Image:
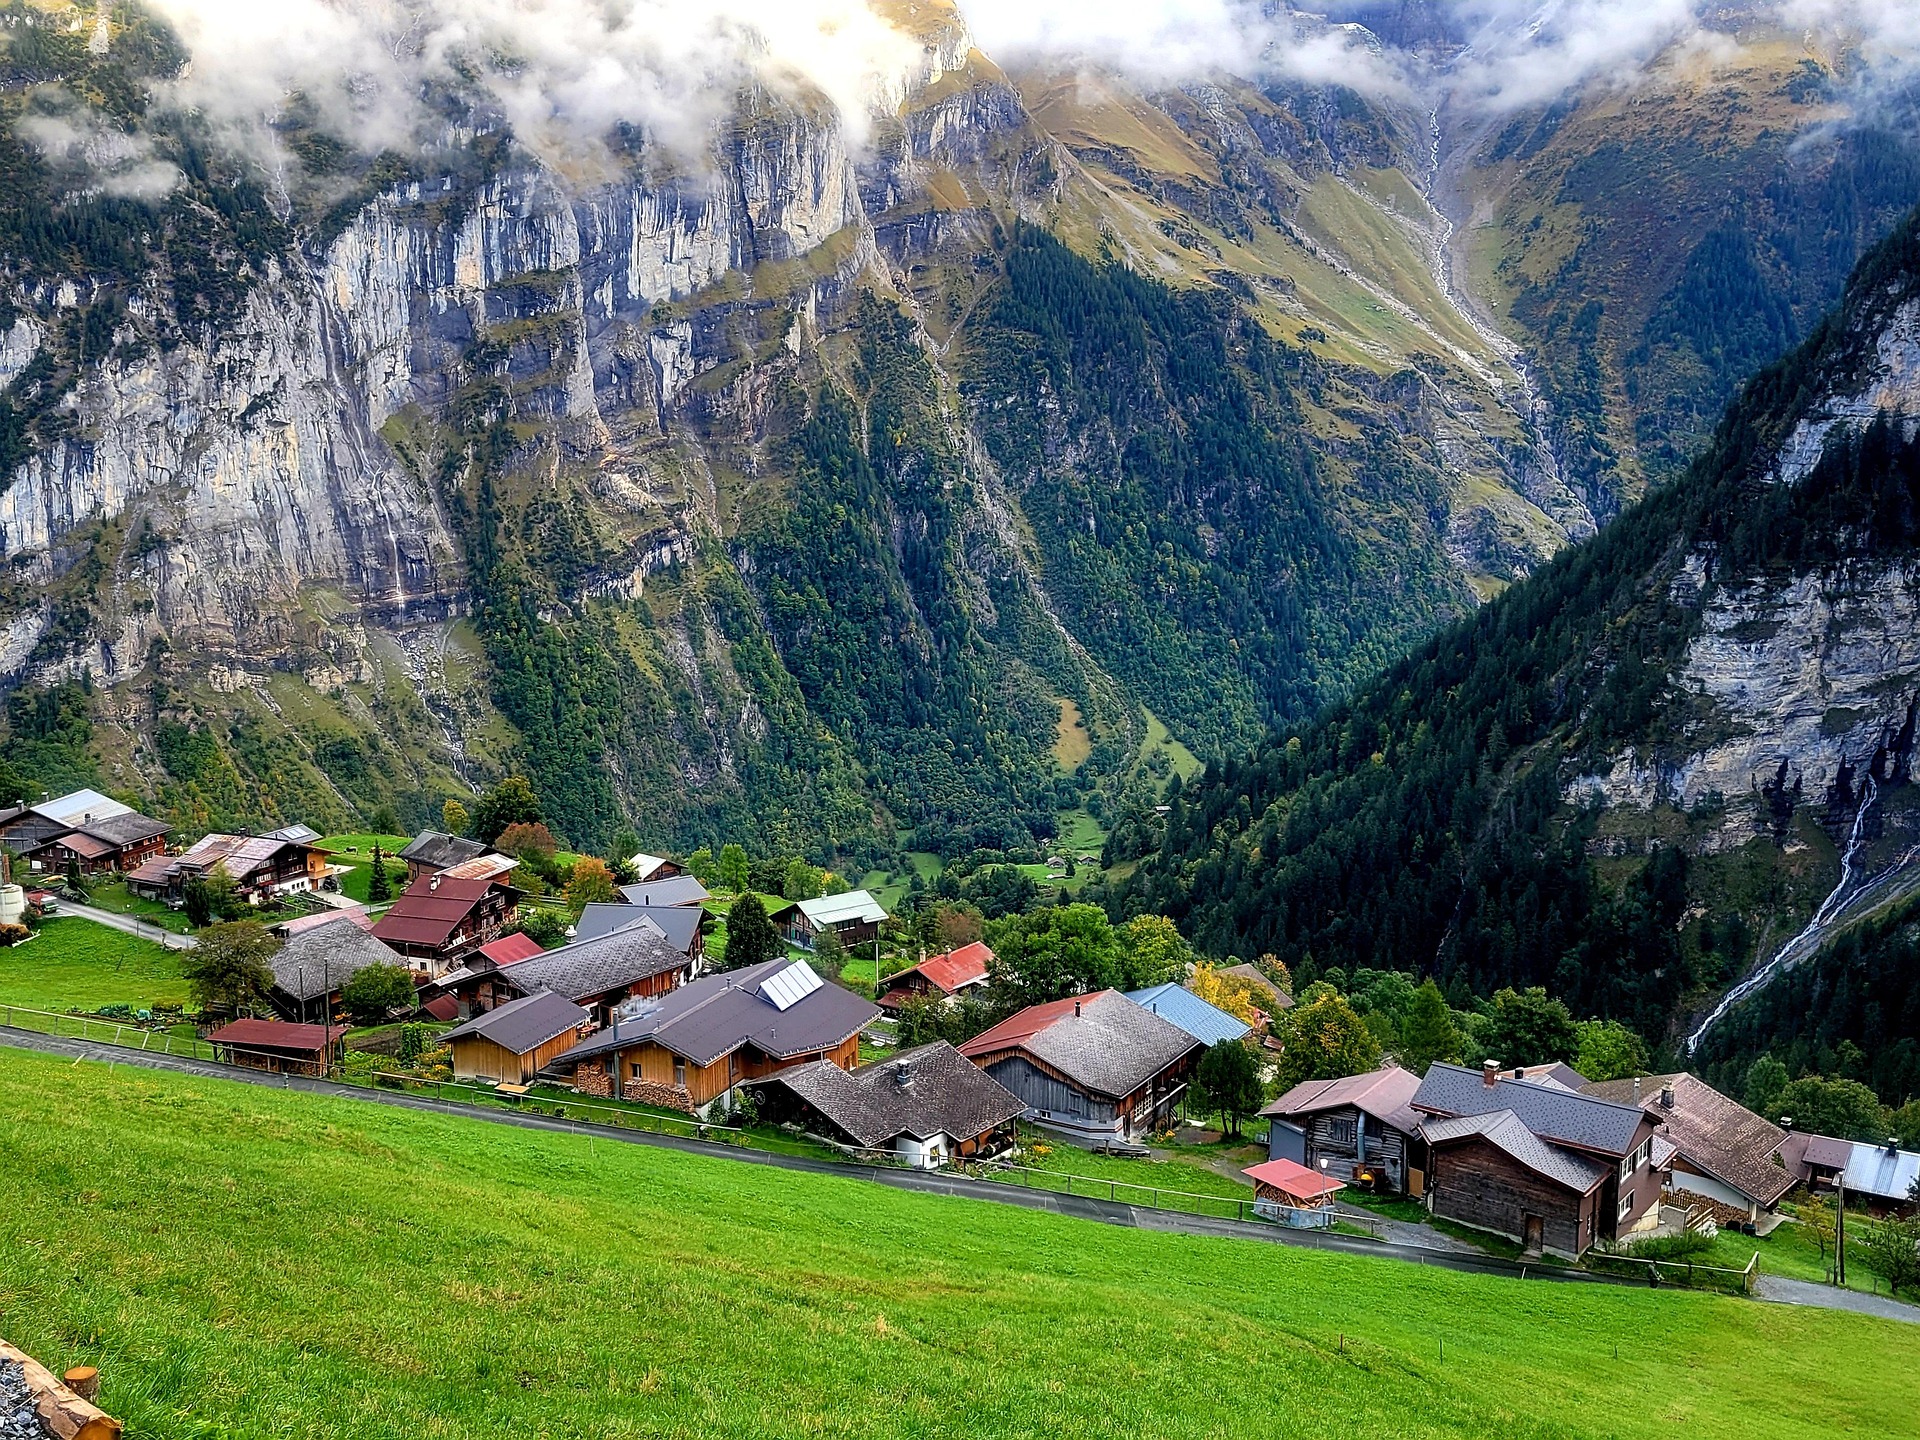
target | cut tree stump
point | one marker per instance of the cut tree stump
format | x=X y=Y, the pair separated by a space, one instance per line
x=65 y=1414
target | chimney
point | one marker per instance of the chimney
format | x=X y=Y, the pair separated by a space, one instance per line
x=433 y=883
x=1666 y=1097
x=1893 y=1144
x=902 y=1076
x=1636 y=1089
x=1519 y=1072
x=1786 y=1122
x=1489 y=1072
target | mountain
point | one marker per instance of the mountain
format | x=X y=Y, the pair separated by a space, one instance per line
x=1638 y=775
x=906 y=476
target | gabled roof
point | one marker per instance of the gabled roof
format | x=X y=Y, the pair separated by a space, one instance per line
x=1565 y=1116
x=320 y=959
x=944 y=1094
x=437 y=850
x=674 y=890
x=481 y=867
x=1507 y=1131
x=287 y=929
x=510 y=948
x=1102 y=1042
x=127 y=828
x=848 y=908
x=430 y=910
x=718 y=1014
x=679 y=923
x=1825 y=1151
x=587 y=969
x=1882 y=1173
x=79 y=806
x=298 y=834
x=81 y=844
x=1555 y=1072
x=276 y=1035
x=1279 y=998
x=238 y=855
x=1383 y=1094
x=955 y=970
x=1207 y=1023
x=525 y=1024
x=1295 y=1180
x=646 y=866
x=1710 y=1131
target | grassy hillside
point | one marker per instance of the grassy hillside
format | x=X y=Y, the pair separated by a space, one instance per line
x=256 y=1263
x=75 y=962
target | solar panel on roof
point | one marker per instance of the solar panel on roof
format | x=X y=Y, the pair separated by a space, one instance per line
x=790 y=986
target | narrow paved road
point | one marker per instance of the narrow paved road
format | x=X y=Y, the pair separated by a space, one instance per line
x=146 y=929
x=1827 y=1297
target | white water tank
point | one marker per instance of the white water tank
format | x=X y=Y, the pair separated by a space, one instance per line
x=13 y=905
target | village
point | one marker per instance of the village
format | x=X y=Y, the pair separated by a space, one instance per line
x=929 y=1038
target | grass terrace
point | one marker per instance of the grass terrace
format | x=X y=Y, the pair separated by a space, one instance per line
x=77 y=964
x=247 y=1262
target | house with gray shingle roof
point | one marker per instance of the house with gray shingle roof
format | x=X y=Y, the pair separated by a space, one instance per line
x=1711 y=1145
x=926 y=1105
x=1527 y=1158
x=317 y=961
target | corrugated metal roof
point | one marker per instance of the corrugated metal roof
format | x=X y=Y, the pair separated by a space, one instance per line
x=1108 y=1045
x=79 y=805
x=481 y=867
x=1507 y=1131
x=1207 y=1023
x=1880 y=1172
x=525 y=1024
x=673 y=890
x=509 y=948
x=850 y=907
x=1547 y=1110
x=430 y=910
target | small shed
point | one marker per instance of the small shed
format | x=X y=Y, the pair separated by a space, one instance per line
x=1293 y=1194
x=511 y=1043
x=275 y=1045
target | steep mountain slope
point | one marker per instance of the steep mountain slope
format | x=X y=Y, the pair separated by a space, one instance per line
x=863 y=481
x=1632 y=776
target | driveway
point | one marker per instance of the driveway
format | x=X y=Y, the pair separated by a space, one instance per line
x=133 y=925
x=1828 y=1297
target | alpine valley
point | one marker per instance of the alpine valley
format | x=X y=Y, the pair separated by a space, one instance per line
x=920 y=476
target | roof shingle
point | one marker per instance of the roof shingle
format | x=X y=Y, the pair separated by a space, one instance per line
x=1509 y=1133
x=945 y=1094
x=1706 y=1129
x=1102 y=1042
x=1583 y=1121
x=525 y=1024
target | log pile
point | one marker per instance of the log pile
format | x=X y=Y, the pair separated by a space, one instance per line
x=62 y=1413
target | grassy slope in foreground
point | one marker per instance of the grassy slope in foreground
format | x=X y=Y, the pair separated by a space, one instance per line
x=243 y=1262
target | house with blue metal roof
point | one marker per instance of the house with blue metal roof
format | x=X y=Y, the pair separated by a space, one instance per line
x=1207 y=1023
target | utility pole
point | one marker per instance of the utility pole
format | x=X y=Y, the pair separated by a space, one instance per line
x=1840 y=1232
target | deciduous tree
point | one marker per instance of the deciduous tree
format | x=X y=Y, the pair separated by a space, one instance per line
x=511 y=802
x=1529 y=1027
x=1324 y=1039
x=1891 y=1250
x=1230 y=993
x=1429 y=1034
x=454 y=817
x=732 y=871
x=591 y=884
x=1055 y=952
x=371 y=994
x=1608 y=1050
x=1766 y=1079
x=1229 y=1073
x=1152 y=952
x=230 y=970
x=1845 y=1109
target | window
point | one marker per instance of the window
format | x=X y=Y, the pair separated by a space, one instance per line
x=1340 y=1132
x=680 y=1073
x=1631 y=1163
x=1626 y=1204
x=636 y=1071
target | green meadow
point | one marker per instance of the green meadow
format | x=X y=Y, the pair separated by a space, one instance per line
x=77 y=964
x=241 y=1262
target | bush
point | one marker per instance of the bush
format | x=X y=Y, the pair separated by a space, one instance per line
x=542 y=925
x=416 y=1038
x=1669 y=1247
x=375 y=992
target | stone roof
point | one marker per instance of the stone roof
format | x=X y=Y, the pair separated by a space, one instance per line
x=587 y=969
x=320 y=959
x=1550 y=1111
x=1710 y=1132
x=1102 y=1042
x=1508 y=1132
x=927 y=1091
x=437 y=850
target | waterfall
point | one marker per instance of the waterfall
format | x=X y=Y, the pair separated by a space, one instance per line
x=1809 y=939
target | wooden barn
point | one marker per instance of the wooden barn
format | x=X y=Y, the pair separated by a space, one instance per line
x=512 y=1044
x=279 y=1047
x=1360 y=1129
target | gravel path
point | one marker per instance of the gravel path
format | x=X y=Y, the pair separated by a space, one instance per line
x=19 y=1419
x=1828 y=1297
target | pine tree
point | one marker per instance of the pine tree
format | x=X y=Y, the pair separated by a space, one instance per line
x=1429 y=1033
x=379 y=883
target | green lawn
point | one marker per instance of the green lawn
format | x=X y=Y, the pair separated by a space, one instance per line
x=258 y=1263
x=1789 y=1252
x=116 y=897
x=1179 y=1173
x=357 y=851
x=77 y=963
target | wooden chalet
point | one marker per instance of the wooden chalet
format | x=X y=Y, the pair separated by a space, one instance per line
x=317 y=961
x=262 y=867
x=432 y=851
x=654 y=867
x=945 y=976
x=1533 y=1161
x=278 y=1046
x=683 y=925
x=690 y=1049
x=511 y=1044
x=84 y=829
x=925 y=1106
x=1359 y=1129
x=1707 y=1143
x=1097 y=1068
x=854 y=918
x=441 y=918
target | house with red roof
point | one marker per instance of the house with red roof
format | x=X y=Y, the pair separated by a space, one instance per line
x=441 y=919
x=944 y=976
x=278 y=1046
x=1360 y=1128
x=1097 y=1068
